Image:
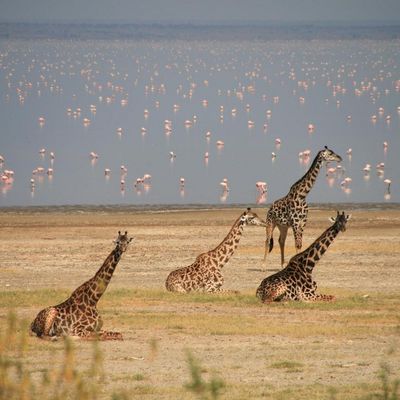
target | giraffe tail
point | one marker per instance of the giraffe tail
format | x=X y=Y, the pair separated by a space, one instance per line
x=271 y=245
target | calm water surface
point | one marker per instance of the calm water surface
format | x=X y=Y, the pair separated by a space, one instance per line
x=280 y=86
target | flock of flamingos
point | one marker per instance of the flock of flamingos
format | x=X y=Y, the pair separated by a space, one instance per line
x=100 y=79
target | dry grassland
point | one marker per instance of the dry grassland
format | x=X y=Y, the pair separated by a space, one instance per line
x=278 y=351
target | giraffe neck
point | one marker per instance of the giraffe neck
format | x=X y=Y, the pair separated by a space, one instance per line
x=309 y=257
x=303 y=186
x=102 y=278
x=223 y=252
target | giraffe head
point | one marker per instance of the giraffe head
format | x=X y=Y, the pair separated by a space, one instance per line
x=329 y=155
x=251 y=218
x=340 y=220
x=122 y=241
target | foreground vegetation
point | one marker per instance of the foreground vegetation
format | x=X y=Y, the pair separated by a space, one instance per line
x=197 y=344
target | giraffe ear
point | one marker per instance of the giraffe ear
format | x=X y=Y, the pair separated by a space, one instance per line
x=348 y=217
x=332 y=219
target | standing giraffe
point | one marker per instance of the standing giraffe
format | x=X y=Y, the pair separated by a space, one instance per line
x=292 y=210
x=78 y=315
x=205 y=274
x=295 y=281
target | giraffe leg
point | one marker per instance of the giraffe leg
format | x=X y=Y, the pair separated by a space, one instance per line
x=101 y=335
x=312 y=296
x=298 y=228
x=298 y=237
x=43 y=324
x=224 y=291
x=282 y=239
x=175 y=286
x=108 y=335
x=270 y=293
x=324 y=297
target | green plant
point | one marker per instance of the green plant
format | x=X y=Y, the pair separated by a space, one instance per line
x=18 y=381
x=390 y=388
x=200 y=387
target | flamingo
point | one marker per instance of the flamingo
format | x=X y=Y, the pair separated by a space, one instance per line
x=346 y=182
x=139 y=181
x=261 y=187
x=224 y=184
x=388 y=182
x=146 y=177
x=331 y=171
x=367 y=168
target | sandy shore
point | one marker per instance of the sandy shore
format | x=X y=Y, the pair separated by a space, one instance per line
x=42 y=249
x=60 y=250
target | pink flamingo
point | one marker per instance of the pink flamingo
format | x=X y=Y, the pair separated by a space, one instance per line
x=224 y=185
x=388 y=182
x=261 y=187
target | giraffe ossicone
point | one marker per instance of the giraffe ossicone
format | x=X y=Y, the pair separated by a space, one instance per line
x=292 y=210
x=295 y=281
x=205 y=273
x=78 y=315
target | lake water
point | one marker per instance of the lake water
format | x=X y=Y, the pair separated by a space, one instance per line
x=280 y=86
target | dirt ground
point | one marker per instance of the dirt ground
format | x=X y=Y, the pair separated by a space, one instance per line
x=260 y=351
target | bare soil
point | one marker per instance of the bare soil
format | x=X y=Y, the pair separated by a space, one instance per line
x=260 y=351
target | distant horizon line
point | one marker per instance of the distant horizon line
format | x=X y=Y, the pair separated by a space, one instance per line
x=220 y=23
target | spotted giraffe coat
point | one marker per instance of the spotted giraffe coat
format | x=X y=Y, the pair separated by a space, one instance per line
x=292 y=210
x=205 y=274
x=295 y=281
x=78 y=315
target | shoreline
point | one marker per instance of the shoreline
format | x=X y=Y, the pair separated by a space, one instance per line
x=123 y=208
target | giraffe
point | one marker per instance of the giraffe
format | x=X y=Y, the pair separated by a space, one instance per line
x=295 y=282
x=292 y=210
x=78 y=316
x=205 y=274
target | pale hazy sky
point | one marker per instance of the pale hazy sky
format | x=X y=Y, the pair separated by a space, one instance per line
x=202 y=11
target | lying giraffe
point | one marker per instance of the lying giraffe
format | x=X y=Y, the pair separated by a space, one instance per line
x=78 y=315
x=292 y=210
x=205 y=274
x=295 y=281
